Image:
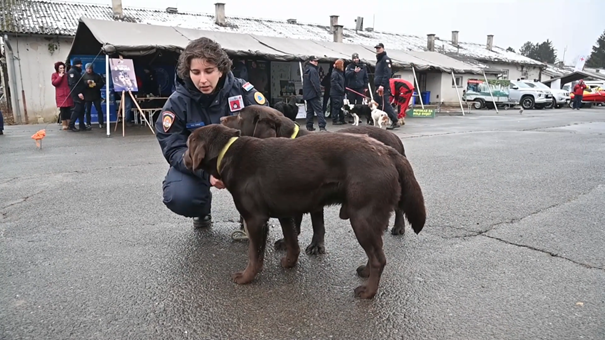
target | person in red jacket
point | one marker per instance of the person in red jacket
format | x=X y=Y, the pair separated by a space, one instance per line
x=62 y=97
x=578 y=94
x=401 y=92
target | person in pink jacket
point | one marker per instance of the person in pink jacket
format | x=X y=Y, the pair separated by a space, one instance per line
x=64 y=101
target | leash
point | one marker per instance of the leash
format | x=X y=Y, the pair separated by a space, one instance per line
x=361 y=94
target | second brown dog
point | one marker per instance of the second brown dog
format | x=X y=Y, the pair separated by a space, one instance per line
x=265 y=122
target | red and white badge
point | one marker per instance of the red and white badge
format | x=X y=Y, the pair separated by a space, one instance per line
x=236 y=103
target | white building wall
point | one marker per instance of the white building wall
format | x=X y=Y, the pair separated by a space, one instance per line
x=517 y=71
x=33 y=67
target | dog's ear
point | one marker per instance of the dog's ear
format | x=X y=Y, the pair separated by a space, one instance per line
x=269 y=125
x=194 y=156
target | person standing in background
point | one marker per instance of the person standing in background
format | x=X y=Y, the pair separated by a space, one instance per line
x=337 y=92
x=578 y=94
x=312 y=94
x=356 y=76
x=77 y=87
x=92 y=94
x=382 y=75
x=62 y=97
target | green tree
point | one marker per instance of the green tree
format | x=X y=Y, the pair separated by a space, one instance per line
x=597 y=57
x=544 y=52
x=510 y=49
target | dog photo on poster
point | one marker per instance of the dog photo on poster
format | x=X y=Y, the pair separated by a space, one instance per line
x=123 y=75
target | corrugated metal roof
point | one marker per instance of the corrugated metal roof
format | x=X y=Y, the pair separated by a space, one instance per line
x=59 y=18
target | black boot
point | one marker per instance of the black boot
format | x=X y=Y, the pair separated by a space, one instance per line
x=393 y=126
x=202 y=222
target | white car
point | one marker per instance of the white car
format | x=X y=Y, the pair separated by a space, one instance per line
x=560 y=97
x=529 y=97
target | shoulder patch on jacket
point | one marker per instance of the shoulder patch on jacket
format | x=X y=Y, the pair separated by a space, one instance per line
x=167 y=120
x=248 y=87
x=389 y=63
x=259 y=98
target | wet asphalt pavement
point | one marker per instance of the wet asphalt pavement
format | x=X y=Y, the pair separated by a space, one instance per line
x=514 y=246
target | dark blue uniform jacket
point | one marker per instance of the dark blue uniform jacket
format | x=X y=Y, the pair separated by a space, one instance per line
x=188 y=109
x=383 y=72
x=311 y=85
x=76 y=84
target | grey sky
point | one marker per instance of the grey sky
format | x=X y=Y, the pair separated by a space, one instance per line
x=573 y=24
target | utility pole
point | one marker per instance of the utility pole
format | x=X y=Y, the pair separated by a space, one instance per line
x=564 y=52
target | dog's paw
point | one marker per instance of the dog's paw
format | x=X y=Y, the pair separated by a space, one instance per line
x=241 y=278
x=288 y=262
x=280 y=244
x=398 y=230
x=364 y=293
x=315 y=249
x=363 y=271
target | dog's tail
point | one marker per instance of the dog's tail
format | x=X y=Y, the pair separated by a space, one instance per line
x=412 y=200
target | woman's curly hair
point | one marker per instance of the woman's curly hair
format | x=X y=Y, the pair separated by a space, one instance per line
x=207 y=49
x=60 y=63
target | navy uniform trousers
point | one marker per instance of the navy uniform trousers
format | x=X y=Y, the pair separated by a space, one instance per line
x=187 y=195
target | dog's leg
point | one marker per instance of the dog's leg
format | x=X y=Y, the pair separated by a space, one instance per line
x=291 y=242
x=370 y=238
x=281 y=244
x=257 y=235
x=317 y=243
x=399 y=226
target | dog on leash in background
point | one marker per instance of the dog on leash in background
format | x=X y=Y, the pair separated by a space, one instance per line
x=288 y=107
x=346 y=108
x=379 y=117
x=360 y=110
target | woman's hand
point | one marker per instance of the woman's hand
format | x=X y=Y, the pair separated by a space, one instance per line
x=217 y=183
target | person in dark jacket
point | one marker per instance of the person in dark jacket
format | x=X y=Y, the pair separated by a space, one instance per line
x=382 y=75
x=92 y=93
x=206 y=90
x=240 y=70
x=312 y=94
x=325 y=82
x=356 y=77
x=337 y=92
x=77 y=88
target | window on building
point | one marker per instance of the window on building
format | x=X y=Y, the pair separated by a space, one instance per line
x=458 y=82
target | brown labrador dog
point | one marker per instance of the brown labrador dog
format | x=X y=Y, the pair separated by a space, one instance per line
x=265 y=122
x=257 y=173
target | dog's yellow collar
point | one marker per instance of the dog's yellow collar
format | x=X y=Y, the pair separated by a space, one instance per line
x=223 y=152
x=296 y=129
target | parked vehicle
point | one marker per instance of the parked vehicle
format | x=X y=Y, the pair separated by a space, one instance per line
x=529 y=97
x=560 y=98
x=478 y=92
x=593 y=95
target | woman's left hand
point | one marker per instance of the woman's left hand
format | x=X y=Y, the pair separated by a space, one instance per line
x=217 y=183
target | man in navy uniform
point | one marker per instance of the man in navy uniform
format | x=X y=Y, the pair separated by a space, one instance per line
x=382 y=75
x=206 y=90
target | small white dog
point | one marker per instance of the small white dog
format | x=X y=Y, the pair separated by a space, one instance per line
x=346 y=106
x=378 y=116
